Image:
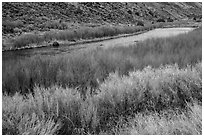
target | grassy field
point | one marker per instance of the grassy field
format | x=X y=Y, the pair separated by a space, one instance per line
x=154 y=87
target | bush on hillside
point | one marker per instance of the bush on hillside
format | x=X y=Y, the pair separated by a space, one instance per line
x=8 y=26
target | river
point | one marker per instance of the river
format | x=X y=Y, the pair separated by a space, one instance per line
x=122 y=41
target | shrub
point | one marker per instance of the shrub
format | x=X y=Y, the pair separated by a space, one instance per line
x=168 y=122
x=55 y=24
x=161 y=20
x=26 y=39
x=51 y=111
x=8 y=26
x=140 y=23
x=153 y=88
x=170 y=20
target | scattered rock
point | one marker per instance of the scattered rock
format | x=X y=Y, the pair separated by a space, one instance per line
x=55 y=44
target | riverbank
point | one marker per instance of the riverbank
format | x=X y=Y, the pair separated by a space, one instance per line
x=87 y=47
x=132 y=30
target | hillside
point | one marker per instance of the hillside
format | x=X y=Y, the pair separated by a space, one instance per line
x=21 y=17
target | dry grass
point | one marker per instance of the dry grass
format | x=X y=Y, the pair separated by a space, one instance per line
x=169 y=122
x=149 y=94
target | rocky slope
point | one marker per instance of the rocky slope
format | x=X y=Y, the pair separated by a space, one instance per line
x=27 y=16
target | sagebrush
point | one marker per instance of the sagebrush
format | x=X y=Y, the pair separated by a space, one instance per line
x=58 y=110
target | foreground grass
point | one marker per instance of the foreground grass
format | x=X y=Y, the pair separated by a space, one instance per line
x=83 y=70
x=166 y=100
x=168 y=122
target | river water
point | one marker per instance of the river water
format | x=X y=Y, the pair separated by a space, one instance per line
x=122 y=41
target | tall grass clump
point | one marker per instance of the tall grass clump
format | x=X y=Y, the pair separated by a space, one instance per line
x=168 y=122
x=90 y=68
x=48 y=111
x=55 y=24
x=151 y=95
x=151 y=88
x=26 y=39
x=91 y=33
x=70 y=71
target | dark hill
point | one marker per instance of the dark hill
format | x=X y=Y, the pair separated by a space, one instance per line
x=18 y=17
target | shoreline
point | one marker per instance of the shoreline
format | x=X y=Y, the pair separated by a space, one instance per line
x=68 y=43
